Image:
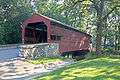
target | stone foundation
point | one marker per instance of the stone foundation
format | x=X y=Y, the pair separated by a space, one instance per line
x=33 y=51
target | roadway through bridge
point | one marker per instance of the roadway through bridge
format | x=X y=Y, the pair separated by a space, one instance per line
x=8 y=53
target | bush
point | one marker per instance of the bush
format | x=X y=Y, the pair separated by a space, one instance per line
x=110 y=52
x=91 y=55
x=107 y=53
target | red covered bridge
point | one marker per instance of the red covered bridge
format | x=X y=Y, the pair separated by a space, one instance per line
x=41 y=29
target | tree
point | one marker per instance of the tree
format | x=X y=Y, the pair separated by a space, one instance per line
x=12 y=13
x=101 y=16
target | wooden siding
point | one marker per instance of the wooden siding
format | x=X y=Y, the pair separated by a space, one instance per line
x=71 y=39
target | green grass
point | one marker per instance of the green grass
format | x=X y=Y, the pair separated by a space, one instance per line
x=46 y=60
x=96 y=69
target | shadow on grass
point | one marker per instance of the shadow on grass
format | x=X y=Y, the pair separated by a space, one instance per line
x=46 y=60
x=97 y=69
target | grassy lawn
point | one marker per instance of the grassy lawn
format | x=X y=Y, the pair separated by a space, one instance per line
x=46 y=60
x=96 y=69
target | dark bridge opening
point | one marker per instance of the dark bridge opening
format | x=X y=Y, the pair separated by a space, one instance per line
x=36 y=33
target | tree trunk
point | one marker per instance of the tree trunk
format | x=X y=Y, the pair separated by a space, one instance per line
x=105 y=31
x=99 y=38
x=99 y=27
x=105 y=39
x=116 y=39
x=119 y=36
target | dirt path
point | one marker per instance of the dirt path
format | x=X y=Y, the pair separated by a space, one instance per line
x=18 y=69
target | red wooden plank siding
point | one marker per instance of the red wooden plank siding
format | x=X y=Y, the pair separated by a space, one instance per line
x=71 y=40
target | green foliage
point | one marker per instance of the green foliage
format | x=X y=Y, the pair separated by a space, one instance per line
x=12 y=13
x=96 y=69
x=62 y=11
x=104 y=53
